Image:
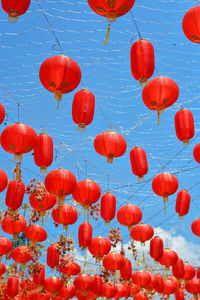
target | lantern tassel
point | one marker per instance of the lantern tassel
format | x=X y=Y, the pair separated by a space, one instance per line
x=140 y=179
x=107 y=35
x=158 y=112
x=43 y=170
x=81 y=127
x=110 y=158
x=58 y=96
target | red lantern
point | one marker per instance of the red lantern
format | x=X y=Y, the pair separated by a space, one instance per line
x=84 y=235
x=12 y=286
x=170 y=286
x=126 y=270
x=83 y=108
x=153 y=283
x=97 y=289
x=142 y=233
x=156 y=248
x=84 y=283
x=2 y=113
x=15 y=194
x=169 y=258
x=53 y=256
x=21 y=254
x=180 y=295
x=18 y=139
x=139 y=163
x=108 y=290
x=184 y=125
x=189 y=272
x=61 y=183
x=129 y=215
x=2 y=269
x=182 y=203
x=198 y=272
x=27 y=285
x=3 y=180
x=193 y=287
x=196 y=153
x=71 y=268
x=160 y=93
x=15 y=8
x=67 y=292
x=110 y=144
x=191 y=24
x=164 y=185
x=11 y=225
x=140 y=296
x=60 y=75
x=196 y=227
x=35 y=233
x=142 y=60
x=178 y=269
x=134 y=289
x=99 y=247
x=108 y=207
x=141 y=278
x=39 y=274
x=121 y=291
x=86 y=193
x=160 y=284
x=5 y=245
x=113 y=261
x=42 y=203
x=43 y=152
x=52 y=284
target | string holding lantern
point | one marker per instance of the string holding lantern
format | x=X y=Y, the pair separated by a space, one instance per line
x=190 y=24
x=184 y=125
x=43 y=151
x=111 y=9
x=14 y=9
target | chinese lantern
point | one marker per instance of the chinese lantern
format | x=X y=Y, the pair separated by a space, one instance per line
x=139 y=163
x=178 y=269
x=160 y=93
x=111 y=10
x=182 y=203
x=43 y=152
x=126 y=270
x=5 y=245
x=15 y=194
x=190 y=24
x=113 y=261
x=12 y=225
x=35 y=233
x=142 y=233
x=86 y=193
x=108 y=207
x=52 y=284
x=169 y=258
x=152 y=284
x=71 y=268
x=84 y=282
x=61 y=183
x=110 y=144
x=3 y=180
x=164 y=185
x=134 y=289
x=196 y=153
x=140 y=296
x=189 y=272
x=18 y=139
x=193 y=287
x=180 y=295
x=84 y=235
x=108 y=290
x=12 y=286
x=99 y=247
x=21 y=254
x=67 y=292
x=15 y=8
x=27 y=285
x=184 y=125
x=142 y=60
x=141 y=278
x=2 y=113
x=160 y=284
x=121 y=291
x=129 y=215
x=97 y=288
x=198 y=272
x=53 y=256
x=39 y=274
x=196 y=227
x=156 y=248
x=60 y=75
x=83 y=108
x=170 y=286
x=41 y=203
x=2 y=269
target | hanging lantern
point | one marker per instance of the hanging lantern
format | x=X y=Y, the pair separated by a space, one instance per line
x=61 y=183
x=21 y=254
x=142 y=60
x=110 y=144
x=12 y=286
x=156 y=248
x=15 y=8
x=99 y=247
x=5 y=245
x=97 y=288
x=43 y=152
x=193 y=287
x=189 y=272
x=129 y=215
x=178 y=269
x=108 y=290
x=35 y=233
x=53 y=256
x=182 y=203
x=84 y=235
x=15 y=194
x=180 y=294
x=18 y=139
x=169 y=258
x=196 y=153
x=134 y=289
x=83 y=108
x=170 y=286
x=52 y=284
x=159 y=288
x=60 y=75
x=184 y=125
x=160 y=93
x=13 y=225
x=126 y=270
x=108 y=207
x=84 y=283
x=113 y=261
x=165 y=185
x=198 y=272
x=44 y=204
x=3 y=180
x=2 y=113
x=190 y=24
x=142 y=233
x=121 y=291
x=70 y=268
x=67 y=292
x=39 y=274
x=2 y=269
x=141 y=278
x=141 y=296
x=153 y=283
x=139 y=163
x=196 y=227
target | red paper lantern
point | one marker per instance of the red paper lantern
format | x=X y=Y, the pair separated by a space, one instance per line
x=170 y=286
x=71 y=268
x=60 y=75
x=182 y=203
x=84 y=235
x=21 y=254
x=141 y=278
x=2 y=113
x=15 y=194
x=52 y=284
x=180 y=295
x=65 y=214
x=108 y=207
x=99 y=247
x=142 y=233
x=3 y=180
x=18 y=139
x=134 y=289
x=129 y=215
x=108 y=290
x=160 y=93
x=43 y=152
x=97 y=289
x=42 y=203
x=156 y=248
x=86 y=193
x=169 y=258
x=154 y=280
x=142 y=60
x=196 y=153
x=11 y=225
x=15 y=8
x=126 y=270
x=67 y=292
x=193 y=287
x=189 y=272
x=184 y=125
x=140 y=296
x=83 y=108
x=35 y=233
x=121 y=291
x=178 y=269
x=53 y=256
x=191 y=24
x=84 y=283
x=39 y=274
x=113 y=261
x=61 y=183
x=2 y=269
x=12 y=286
x=196 y=227
x=5 y=245
x=160 y=284
x=110 y=144
x=139 y=163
